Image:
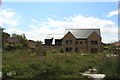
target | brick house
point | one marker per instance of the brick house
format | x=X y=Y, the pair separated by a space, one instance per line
x=12 y=40
x=80 y=40
x=117 y=44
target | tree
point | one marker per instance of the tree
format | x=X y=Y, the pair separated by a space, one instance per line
x=111 y=49
x=22 y=38
x=39 y=43
x=3 y=34
x=38 y=46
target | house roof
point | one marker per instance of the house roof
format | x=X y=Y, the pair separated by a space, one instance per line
x=116 y=43
x=83 y=33
x=13 y=39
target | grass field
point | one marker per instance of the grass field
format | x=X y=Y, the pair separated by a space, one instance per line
x=30 y=64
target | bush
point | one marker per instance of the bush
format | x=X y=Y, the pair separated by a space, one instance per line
x=111 y=49
x=109 y=67
x=61 y=50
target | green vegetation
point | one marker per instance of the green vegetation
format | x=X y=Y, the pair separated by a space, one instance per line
x=30 y=64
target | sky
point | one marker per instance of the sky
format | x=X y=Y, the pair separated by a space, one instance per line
x=38 y=19
x=61 y=0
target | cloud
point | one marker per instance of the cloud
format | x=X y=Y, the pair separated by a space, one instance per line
x=109 y=30
x=112 y=13
x=8 y=17
x=34 y=20
x=38 y=29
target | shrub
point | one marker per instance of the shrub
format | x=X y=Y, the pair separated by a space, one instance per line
x=61 y=50
x=109 y=67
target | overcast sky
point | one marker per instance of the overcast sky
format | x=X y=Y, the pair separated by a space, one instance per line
x=38 y=19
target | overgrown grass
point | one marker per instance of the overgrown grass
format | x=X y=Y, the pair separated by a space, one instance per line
x=29 y=64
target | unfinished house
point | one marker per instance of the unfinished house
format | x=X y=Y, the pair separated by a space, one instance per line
x=52 y=41
x=79 y=40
